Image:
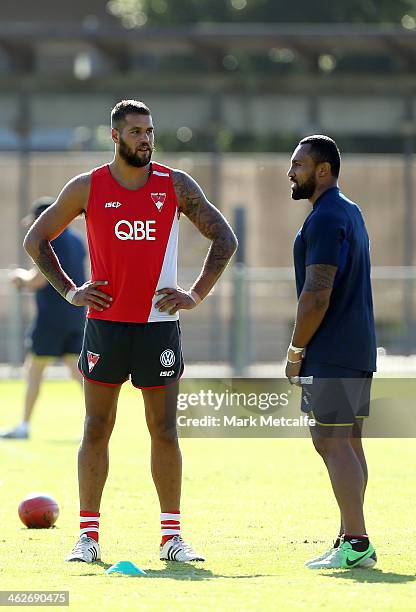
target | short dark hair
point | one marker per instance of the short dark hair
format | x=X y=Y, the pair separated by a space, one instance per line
x=40 y=205
x=127 y=107
x=324 y=149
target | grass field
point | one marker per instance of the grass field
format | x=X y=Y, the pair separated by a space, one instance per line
x=256 y=508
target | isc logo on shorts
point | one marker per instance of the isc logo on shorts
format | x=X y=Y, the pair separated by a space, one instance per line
x=167 y=373
x=138 y=230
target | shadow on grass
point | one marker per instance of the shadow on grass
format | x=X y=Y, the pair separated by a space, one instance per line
x=177 y=571
x=64 y=442
x=105 y=566
x=187 y=571
x=35 y=530
x=375 y=576
x=79 y=564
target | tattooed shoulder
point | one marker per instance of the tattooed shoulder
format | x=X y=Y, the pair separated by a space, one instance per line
x=319 y=277
x=205 y=216
x=188 y=192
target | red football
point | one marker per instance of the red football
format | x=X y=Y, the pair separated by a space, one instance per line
x=38 y=511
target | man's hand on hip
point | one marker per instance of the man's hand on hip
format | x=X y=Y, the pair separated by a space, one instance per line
x=89 y=295
x=174 y=300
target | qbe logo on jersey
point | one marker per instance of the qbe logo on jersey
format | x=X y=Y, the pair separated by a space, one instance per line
x=136 y=230
x=167 y=358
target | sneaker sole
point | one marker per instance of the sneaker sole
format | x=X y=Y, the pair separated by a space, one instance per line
x=80 y=561
x=369 y=563
x=7 y=437
x=365 y=564
x=187 y=560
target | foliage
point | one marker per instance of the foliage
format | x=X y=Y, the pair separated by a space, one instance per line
x=137 y=13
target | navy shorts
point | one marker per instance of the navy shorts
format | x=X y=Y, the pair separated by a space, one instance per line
x=335 y=395
x=149 y=353
x=47 y=341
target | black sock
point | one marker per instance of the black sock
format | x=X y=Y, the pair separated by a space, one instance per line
x=358 y=543
x=337 y=541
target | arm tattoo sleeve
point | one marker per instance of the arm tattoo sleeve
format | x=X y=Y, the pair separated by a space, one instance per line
x=319 y=277
x=209 y=221
x=48 y=263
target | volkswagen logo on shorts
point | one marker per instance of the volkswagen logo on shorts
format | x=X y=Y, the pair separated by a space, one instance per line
x=167 y=358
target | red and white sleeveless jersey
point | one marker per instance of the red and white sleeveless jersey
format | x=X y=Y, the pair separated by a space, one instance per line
x=133 y=243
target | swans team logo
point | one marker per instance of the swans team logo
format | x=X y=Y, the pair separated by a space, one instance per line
x=167 y=358
x=92 y=359
x=158 y=199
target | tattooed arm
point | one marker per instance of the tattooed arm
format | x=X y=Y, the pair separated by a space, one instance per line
x=211 y=223
x=313 y=302
x=71 y=202
x=312 y=306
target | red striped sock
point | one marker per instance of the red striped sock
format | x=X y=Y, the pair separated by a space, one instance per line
x=170 y=524
x=89 y=523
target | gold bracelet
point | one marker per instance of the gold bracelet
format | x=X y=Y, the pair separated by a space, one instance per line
x=299 y=361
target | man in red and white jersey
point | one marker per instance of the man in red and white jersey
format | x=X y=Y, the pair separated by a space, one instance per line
x=132 y=207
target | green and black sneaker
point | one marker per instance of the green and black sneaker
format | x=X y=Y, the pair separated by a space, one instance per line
x=345 y=557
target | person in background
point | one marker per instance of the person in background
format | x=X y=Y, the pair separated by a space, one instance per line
x=57 y=329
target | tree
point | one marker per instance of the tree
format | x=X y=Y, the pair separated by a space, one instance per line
x=138 y=13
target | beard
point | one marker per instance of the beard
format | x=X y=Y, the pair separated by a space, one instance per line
x=305 y=191
x=137 y=158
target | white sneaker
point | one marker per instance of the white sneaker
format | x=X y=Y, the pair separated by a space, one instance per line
x=20 y=432
x=321 y=557
x=86 y=549
x=176 y=549
x=331 y=561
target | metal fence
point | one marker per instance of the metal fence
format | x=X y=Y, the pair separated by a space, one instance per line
x=248 y=318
